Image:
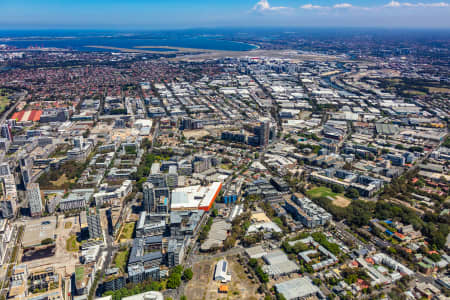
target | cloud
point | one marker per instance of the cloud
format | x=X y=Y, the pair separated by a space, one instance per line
x=311 y=6
x=336 y=6
x=392 y=4
x=342 y=5
x=264 y=5
x=420 y=4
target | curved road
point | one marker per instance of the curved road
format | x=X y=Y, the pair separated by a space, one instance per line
x=12 y=108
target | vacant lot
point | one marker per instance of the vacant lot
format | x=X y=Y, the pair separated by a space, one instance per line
x=242 y=286
x=202 y=286
x=196 y=134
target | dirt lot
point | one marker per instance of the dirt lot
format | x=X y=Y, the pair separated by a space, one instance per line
x=341 y=201
x=61 y=259
x=203 y=287
x=196 y=134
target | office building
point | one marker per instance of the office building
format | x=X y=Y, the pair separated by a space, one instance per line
x=34 y=199
x=172 y=177
x=145 y=259
x=25 y=169
x=5 y=131
x=174 y=253
x=263 y=132
x=4 y=169
x=156 y=199
x=8 y=198
x=150 y=224
x=4 y=144
x=148 y=198
x=94 y=226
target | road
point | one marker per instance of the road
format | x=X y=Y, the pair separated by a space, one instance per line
x=234 y=251
x=7 y=257
x=13 y=107
x=110 y=246
x=274 y=109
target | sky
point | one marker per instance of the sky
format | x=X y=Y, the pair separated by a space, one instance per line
x=177 y=14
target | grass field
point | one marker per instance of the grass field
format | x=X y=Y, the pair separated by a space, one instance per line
x=127 y=232
x=4 y=102
x=62 y=180
x=226 y=166
x=320 y=192
x=121 y=259
x=72 y=244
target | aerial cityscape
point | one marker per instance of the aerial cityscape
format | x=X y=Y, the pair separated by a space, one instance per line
x=287 y=151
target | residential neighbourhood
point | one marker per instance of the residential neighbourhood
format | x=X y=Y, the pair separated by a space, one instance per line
x=280 y=176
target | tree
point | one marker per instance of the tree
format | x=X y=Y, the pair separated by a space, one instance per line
x=183 y=297
x=174 y=281
x=352 y=193
x=188 y=274
x=253 y=262
x=280 y=296
x=337 y=188
x=177 y=269
x=229 y=243
x=347 y=166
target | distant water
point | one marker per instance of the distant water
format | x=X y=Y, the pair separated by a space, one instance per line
x=79 y=42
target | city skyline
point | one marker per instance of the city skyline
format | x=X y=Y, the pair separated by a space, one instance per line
x=175 y=14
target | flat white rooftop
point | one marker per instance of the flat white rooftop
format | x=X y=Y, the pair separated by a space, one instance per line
x=195 y=197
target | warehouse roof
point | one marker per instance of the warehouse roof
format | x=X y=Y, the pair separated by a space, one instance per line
x=195 y=197
x=298 y=288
